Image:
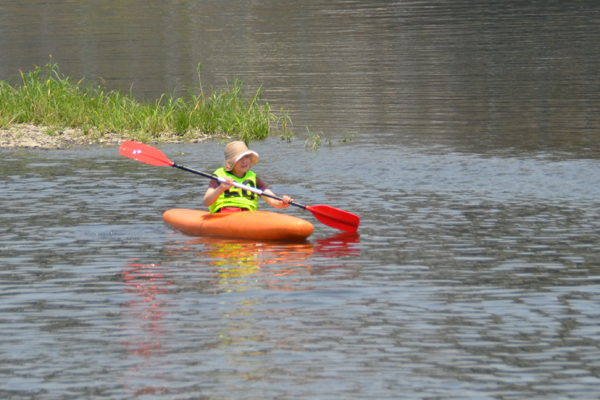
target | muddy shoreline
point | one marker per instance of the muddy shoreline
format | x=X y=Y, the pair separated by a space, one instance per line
x=29 y=136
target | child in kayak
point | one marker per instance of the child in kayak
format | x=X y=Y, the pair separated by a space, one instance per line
x=224 y=197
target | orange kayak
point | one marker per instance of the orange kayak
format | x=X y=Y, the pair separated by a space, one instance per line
x=263 y=225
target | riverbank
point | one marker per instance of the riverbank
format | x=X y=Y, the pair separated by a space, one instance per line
x=34 y=110
x=29 y=136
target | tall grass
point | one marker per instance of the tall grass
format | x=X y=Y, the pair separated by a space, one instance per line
x=48 y=98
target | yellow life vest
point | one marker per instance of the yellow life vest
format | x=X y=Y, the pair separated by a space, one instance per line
x=236 y=197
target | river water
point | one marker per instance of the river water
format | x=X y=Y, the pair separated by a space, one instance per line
x=474 y=167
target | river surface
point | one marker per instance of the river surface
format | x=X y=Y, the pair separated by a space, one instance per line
x=474 y=166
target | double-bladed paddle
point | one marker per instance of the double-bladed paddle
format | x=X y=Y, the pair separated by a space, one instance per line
x=330 y=216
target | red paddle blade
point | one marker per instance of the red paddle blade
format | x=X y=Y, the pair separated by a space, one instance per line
x=144 y=153
x=335 y=218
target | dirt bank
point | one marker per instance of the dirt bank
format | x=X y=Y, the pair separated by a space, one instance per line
x=27 y=136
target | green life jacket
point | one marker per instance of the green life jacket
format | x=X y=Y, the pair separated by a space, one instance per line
x=236 y=197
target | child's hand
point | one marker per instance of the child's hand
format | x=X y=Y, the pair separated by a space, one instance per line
x=227 y=185
x=286 y=201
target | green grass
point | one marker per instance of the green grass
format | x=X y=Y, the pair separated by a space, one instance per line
x=316 y=140
x=45 y=97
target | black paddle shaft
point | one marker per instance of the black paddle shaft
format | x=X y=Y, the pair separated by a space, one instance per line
x=216 y=178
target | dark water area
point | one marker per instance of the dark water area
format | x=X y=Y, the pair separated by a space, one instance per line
x=475 y=273
x=477 y=75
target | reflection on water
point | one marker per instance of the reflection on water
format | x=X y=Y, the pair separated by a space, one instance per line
x=146 y=283
x=210 y=268
x=475 y=75
x=244 y=264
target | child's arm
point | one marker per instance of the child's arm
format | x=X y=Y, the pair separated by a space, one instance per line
x=212 y=194
x=276 y=203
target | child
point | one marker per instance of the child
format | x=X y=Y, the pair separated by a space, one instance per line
x=224 y=197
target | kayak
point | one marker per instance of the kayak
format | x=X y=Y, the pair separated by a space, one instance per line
x=263 y=225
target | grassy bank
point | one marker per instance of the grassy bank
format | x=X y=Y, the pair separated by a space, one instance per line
x=46 y=97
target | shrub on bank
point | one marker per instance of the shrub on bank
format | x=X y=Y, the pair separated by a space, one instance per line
x=48 y=98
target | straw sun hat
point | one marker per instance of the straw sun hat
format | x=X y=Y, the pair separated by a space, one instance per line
x=234 y=152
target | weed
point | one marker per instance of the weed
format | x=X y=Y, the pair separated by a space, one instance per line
x=46 y=97
x=350 y=137
x=52 y=131
x=315 y=140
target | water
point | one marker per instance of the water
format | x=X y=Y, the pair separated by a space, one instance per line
x=474 y=274
x=480 y=75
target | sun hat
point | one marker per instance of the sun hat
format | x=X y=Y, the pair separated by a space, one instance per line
x=234 y=151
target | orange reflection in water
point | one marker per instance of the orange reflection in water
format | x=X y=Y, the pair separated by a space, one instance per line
x=340 y=245
x=223 y=265
x=236 y=260
x=147 y=282
x=234 y=265
x=144 y=325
